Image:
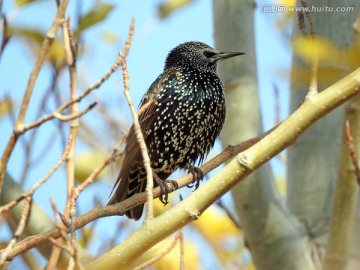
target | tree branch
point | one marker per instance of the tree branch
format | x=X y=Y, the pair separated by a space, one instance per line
x=120 y=208
x=190 y=208
x=49 y=39
x=235 y=171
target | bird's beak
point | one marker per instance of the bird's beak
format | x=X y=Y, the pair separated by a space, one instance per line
x=225 y=55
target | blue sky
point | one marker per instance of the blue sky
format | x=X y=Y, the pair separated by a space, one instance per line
x=152 y=40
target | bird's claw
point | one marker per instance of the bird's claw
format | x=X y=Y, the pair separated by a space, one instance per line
x=164 y=189
x=198 y=175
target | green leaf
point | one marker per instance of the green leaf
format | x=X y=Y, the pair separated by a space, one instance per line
x=96 y=15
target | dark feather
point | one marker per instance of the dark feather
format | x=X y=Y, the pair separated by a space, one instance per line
x=180 y=117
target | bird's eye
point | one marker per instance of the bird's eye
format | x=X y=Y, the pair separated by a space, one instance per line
x=209 y=54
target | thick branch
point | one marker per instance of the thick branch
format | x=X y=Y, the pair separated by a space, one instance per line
x=139 y=198
x=192 y=207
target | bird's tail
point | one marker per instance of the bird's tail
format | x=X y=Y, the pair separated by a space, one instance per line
x=130 y=181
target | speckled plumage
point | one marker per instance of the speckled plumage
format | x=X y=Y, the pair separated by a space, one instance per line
x=182 y=113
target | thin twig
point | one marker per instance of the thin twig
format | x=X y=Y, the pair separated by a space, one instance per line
x=73 y=244
x=301 y=22
x=182 y=250
x=129 y=38
x=31 y=191
x=71 y=57
x=235 y=221
x=331 y=98
x=72 y=215
x=352 y=152
x=160 y=255
x=137 y=128
x=74 y=116
x=56 y=114
x=313 y=86
x=45 y=47
x=277 y=103
x=111 y=158
x=142 y=144
x=61 y=108
x=54 y=255
x=66 y=244
x=356 y=28
x=28 y=141
x=19 y=230
x=308 y=17
x=5 y=30
x=139 y=198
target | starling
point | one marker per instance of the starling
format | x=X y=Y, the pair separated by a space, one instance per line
x=180 y=116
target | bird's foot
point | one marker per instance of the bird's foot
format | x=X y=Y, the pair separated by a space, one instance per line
x=164 y=189
x=198 y=175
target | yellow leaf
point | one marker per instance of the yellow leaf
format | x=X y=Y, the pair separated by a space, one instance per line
x=24 y=2
x=86 y=236
x=171 y=260
x=251 y=266
x=96 y=15
x=85 y=164
x=281 y=185
x=110 y=37
x=56 y=55
x=352 y=56
x=326 y=75
x=288 y=3
x=221 y=225
x=35 y=38
x=169 y=6
x=5 y=106
x=309 y=48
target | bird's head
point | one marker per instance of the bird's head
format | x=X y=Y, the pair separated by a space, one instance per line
x=196 y=55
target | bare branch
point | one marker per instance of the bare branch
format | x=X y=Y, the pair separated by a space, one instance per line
x=74 y=116
x=139 y=198
x=308 y=17
x=129 y=38
x=112 y=157
x=313 y=87
x=18 y=232
x=71 y=57
x=143 y=148
x=5 y=30
x=50 y=36
x=352 y=152
x=31 y=191
x=182 y=250
x=301 y=22
x=56 y=248
x=286 y=133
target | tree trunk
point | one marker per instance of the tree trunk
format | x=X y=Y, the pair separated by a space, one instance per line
x=274 y=237
x=313 y=161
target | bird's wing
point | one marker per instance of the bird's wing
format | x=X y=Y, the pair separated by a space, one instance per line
x=132 y=152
